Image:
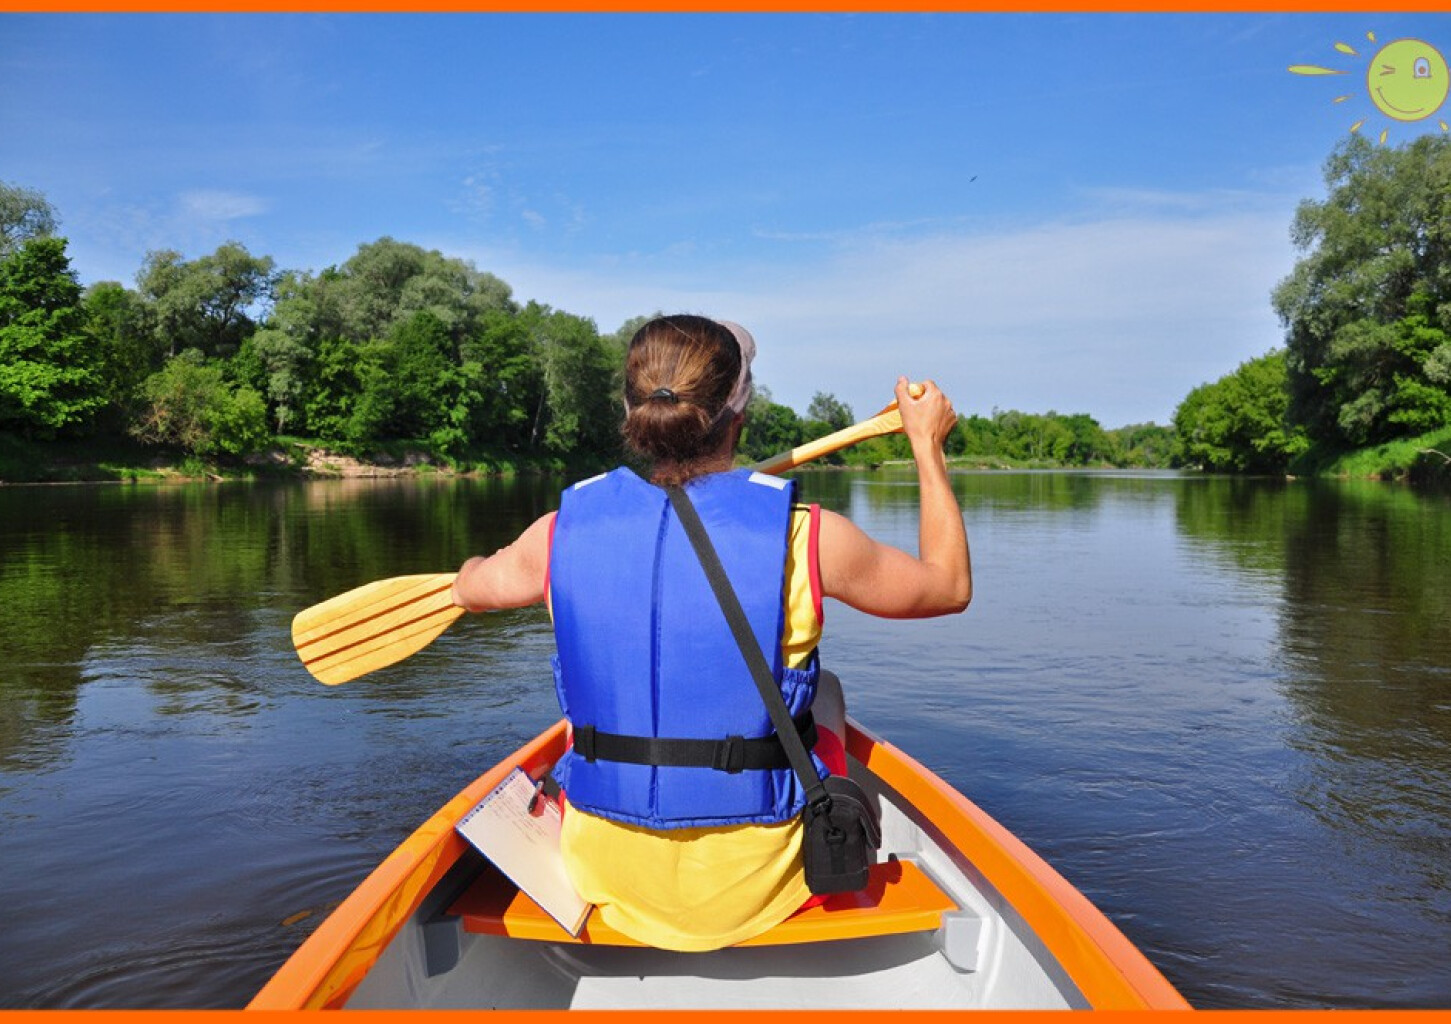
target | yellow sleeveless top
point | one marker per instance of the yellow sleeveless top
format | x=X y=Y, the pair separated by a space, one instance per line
x=695 y=889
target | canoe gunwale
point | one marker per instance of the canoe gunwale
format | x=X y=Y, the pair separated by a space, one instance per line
x=317 y=976
x=1109 y=971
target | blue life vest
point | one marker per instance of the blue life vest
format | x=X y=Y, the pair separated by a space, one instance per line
x=644 y=649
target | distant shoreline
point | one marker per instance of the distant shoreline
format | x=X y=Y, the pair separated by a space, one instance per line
x=36 y=464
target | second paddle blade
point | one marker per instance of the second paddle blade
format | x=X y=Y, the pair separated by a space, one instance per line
x=373 y=626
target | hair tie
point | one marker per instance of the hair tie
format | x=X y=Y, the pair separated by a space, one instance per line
x=664 y=393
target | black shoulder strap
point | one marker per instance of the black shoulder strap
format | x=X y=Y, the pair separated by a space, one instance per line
x=745 y=639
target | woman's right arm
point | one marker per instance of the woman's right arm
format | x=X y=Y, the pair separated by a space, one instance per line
x=511 y=577
x=883 y=580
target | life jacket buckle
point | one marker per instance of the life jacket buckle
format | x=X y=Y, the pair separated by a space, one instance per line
x=730 y=755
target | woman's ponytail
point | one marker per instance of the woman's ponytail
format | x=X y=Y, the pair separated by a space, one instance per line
x=680 y=372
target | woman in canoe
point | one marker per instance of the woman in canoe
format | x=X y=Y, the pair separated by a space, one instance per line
x=700 y=848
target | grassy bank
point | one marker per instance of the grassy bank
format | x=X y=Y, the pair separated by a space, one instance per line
x=1423 y=459
x=120 y=460
x=24 y=461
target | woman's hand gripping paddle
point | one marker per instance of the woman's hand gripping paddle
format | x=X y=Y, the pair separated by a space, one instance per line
x=381 y=623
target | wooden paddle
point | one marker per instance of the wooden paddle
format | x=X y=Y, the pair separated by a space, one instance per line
x=381 y=623
x=888 y=421
x=374 y=625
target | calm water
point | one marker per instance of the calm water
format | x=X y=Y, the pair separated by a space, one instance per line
x=1221 y=708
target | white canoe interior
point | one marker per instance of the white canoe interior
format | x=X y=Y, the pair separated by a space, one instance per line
x=973 y=920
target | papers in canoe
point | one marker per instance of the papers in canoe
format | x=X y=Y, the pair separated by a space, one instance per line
x=520 y=835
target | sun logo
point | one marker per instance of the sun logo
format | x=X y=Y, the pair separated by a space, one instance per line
x=1407 y=80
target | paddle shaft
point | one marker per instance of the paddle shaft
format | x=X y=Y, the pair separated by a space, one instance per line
x=381 y=623
x=888 y=421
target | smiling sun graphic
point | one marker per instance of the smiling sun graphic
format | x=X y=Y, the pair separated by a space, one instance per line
x=1407 y=80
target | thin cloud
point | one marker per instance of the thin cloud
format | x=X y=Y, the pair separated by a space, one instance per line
x=1118 y=317
x=477 y=197
x=217 y=206
x=1215 y=201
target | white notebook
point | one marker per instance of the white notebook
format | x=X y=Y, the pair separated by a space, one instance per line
x=524 y=844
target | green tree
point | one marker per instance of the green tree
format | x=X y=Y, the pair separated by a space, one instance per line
x=335 y=384
x=24 y=214
x=1089 y=444
x=388 y=281
x=281 y=359
x=207 y=303
x=277 y=364
x=1241 y=421
x=1033 y=437
x=119 y=325
x=582 y=409
x=830 y=411
x=769 y=428
x=505 y=382
x=1368 y=307
x=620 y=340
x=978 y=436
x=409 y=385
x=827 y=414
x=1142 y=444
x=50 y=373
x=189 y=404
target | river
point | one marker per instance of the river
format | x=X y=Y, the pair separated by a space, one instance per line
x=1221 y=708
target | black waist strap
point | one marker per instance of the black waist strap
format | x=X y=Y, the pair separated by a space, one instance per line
x=732 y=754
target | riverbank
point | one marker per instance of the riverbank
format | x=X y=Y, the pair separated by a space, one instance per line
x=124 y=461
x=1419 y=460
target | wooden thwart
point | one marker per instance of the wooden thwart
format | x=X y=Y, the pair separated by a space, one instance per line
x=899 y=898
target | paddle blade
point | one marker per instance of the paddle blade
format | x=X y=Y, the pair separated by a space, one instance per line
x=373 y=626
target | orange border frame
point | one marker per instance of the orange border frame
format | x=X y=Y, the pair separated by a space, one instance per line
x=1109 y=970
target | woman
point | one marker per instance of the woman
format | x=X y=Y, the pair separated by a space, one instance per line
x=683 y=815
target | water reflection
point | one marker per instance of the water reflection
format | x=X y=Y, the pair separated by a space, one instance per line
x=1369 y=671
x=1222 y=708
x=1363 y=633
x=188 y=568
x=1364 y=662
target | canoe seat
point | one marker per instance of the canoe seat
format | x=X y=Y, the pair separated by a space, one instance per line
x=899 y=898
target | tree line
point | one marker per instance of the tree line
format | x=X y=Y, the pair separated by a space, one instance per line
x=1367 y=318
x=224 y=355
x=1006 y=438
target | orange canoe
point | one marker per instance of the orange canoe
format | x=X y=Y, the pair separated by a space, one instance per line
x=959 y=915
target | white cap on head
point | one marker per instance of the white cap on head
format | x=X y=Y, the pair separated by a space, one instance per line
x=741 y=395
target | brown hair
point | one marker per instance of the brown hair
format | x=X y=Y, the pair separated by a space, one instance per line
x=679 y=374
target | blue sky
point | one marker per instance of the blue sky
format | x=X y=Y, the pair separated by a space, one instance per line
x=1076 y=212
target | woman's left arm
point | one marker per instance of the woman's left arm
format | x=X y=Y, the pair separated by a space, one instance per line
x=511 y=577
x=884 y=580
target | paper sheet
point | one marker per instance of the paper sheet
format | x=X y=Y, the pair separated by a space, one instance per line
x=524 y=844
